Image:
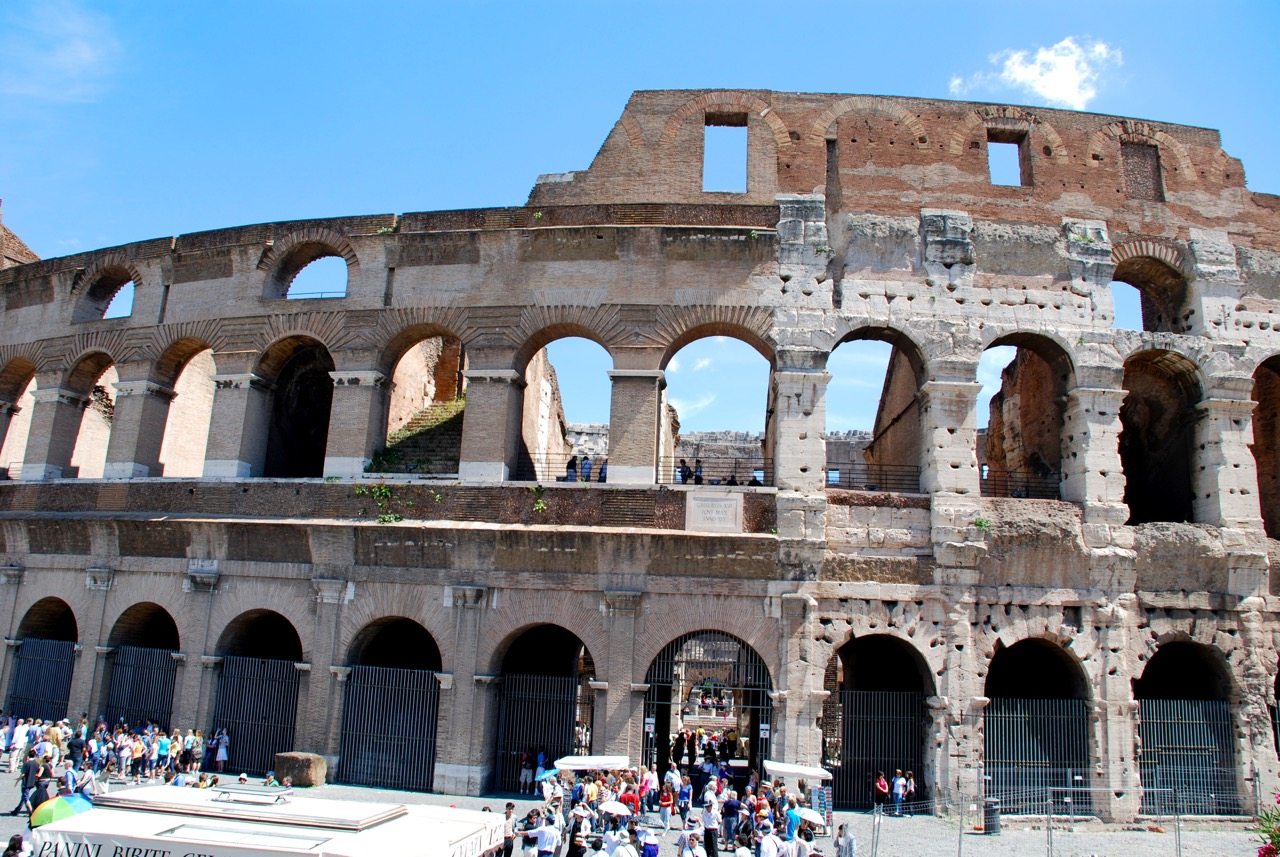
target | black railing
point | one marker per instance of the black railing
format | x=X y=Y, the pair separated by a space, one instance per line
x=746 y=470
x=860 y=476
x=1020 y=483
x=560 y=467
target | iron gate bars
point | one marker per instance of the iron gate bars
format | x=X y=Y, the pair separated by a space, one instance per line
x=1034 y=748
x=712 y=680
x=139 y=686
x=257 y=703
x=389 y=728
x=1186 y=746
x=866 y=731
x=41 y=682
x=540 y=713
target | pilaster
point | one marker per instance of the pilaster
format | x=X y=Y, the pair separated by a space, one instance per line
x=491 y=425
x=357 y=421
x=634 y=414
x=622 y=709
x=239 y=425
x=137 y=429
x=55 y=423
x=464 y=754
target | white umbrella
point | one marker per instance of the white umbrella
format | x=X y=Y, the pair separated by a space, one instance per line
x=583 y=810
x=786 y=769
x=812 y=815
x=592 y=763
x=614 y=807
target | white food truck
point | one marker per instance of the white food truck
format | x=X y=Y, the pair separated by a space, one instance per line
x=240 y=821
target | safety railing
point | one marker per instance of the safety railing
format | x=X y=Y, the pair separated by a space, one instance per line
x=859 y=476
x=1020 y=483
x=747 y=470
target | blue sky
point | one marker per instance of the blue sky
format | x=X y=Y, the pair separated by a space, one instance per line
x=128 y=120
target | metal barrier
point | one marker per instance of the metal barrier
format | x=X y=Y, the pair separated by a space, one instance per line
x=555 y=468
x=257 y=703
x=1186 y=748
x=1021 y=483
x=904 y=478
x=389 y=728
x=748 y=470
x=140 y=683
x=871 y=731
x=540 y=713
x=1032 y=746
x=41 y=682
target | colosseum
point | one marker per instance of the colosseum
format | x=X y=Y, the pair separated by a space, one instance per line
x=340 y=523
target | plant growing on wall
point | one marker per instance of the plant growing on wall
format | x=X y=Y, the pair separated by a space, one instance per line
x=387 y=501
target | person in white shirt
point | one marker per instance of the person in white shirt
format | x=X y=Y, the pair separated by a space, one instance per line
x=711 y=828
x=625 y=848
x=693 y=848
x=548 y=838
x=770 y=845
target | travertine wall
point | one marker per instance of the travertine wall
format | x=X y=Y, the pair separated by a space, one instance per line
x=863 y=217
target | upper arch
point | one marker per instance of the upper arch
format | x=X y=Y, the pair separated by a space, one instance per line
x=726 y=101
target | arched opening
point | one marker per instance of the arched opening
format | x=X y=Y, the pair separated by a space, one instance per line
x=43 y=661
x=110 y=295
x=1157 y=437
x=301 y=400
x=425 y=405
x=1186 y=738
x=715 y=411
x=390 y=705
x=1266 y=442
x=568 y=373
x=17 y=388
x=325 y=277
x=546 y=706
x=1021 y=410
x=256 y=704
x=873 y=412
x=714 y=683
x=1036 y=728
x=140 y=672
x=93 y=380
x=875 y=719
x=189 y=367
x=1163 y=294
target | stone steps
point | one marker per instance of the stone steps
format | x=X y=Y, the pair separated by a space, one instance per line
x=430 y=442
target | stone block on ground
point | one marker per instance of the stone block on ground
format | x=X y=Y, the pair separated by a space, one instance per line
x=306 y=769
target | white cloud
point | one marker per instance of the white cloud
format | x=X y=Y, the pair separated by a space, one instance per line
x=673 y=365
x=1066 y=74
x=57 y=52
x=686 y=409
x=702 y=363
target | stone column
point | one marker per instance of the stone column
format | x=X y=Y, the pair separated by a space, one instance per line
x=55 y=423
x=634 y=414
x=137 y=429
x=333 y=725
x=622 y=709
x=1225 y=477
x=209 y=675
x=491 y=425
x=464 y=746
x=86 y=677
x=10 y=580
x=1215 y=284
x=305 y=730
x=239 y=425
x=323 y=695
x=1114 y=716
x=1259 y=769
x=950 y=474
x=1092 y=474
x=797 y=737
x=8 y=410
x=357 y=421
x=800 y=414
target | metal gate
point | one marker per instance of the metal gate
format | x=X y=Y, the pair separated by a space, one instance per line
x=540 y=713
x=257 y=704
x=708 y=680
x=867 y=731
x=1033 y=748
x=41 y=682
x=389 y=728
x=140 y=685
x=1186 y=745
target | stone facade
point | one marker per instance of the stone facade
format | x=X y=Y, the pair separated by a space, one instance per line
x=863 y=217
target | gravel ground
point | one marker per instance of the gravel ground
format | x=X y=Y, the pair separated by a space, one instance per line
x=921 y=836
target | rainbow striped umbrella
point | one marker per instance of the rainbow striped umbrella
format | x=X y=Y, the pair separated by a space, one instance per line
x=58 y=808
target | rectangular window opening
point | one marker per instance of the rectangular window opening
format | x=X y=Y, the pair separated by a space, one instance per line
x=724 y=153
x=1007 y=163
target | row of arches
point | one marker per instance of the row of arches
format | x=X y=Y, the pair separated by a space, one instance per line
x=1037 y=730
x=1022 y=452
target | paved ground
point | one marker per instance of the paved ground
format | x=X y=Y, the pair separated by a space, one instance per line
x=899 y=837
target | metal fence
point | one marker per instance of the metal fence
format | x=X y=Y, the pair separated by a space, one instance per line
x=540 y=713
x=41 y=682
x=709 y=680
x=139 y=686
x=860 y=476
x=748 y=470
x=865 y=732
x=1032 y=747
x=1186 y=748
x=1021 y=483
x=555 y=468
x=257 y=703
x=389 y=728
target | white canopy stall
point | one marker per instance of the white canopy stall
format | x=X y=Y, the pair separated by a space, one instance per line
x=593 y=763
x=164 y=821
x=786 y=769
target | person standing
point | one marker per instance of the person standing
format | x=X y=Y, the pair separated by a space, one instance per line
x=711 y=827
x=899 y=791
x=508 y=829
x=846 y=845
x=571 y=470
x=881 y=794
x=911 y=791
x=548 y=837
x=586 y=468
x=27 y=779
